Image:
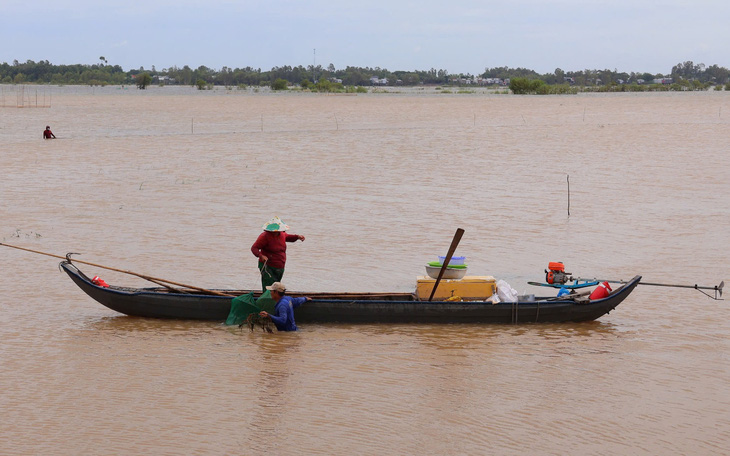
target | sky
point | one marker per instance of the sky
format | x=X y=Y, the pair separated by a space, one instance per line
x=458 y=36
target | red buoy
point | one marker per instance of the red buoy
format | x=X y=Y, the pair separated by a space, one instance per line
x=601 y=291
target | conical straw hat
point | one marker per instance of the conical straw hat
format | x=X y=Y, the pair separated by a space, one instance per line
x=275 y=224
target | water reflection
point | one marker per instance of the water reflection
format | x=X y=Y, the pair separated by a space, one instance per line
x=269 y=393
x=126 y=324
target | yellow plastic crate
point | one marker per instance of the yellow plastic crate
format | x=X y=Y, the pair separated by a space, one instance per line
x=468 y=288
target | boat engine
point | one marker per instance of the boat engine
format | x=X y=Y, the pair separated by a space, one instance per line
x=555 y=273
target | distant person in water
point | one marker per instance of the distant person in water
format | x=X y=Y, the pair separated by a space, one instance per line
x=283 y=316
x=270 y=248
x=48 y=134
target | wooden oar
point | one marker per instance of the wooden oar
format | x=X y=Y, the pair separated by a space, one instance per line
x=142 y=276
x=716 y=288
x=454 y=243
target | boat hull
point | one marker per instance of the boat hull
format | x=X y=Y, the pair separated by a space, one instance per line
x=350 y=308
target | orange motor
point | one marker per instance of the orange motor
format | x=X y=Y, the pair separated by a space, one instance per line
x=556 y=266
x=555 y=273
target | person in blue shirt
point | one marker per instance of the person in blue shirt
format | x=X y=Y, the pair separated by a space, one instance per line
x=283 y=316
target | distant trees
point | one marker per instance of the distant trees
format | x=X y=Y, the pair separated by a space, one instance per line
x=524 y=86
x=509 y=73
x=699 y=72
x=279 y=84
x=685 y=75
x=43 y=72
x=143 y=80
x=717 y=74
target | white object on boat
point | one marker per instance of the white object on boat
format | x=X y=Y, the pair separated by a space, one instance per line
x=505 y=292
x=449 y=273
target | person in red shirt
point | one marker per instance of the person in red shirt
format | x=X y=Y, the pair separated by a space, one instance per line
x=270 y=248
x=48 y=134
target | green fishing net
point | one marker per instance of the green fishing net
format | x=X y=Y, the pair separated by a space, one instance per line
x=244 y=305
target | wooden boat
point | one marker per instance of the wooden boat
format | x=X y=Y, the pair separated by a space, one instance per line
x=351 y=307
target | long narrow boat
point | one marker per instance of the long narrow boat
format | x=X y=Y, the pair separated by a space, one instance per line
x=351 y=307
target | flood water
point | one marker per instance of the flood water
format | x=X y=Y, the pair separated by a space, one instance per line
x=176 y=183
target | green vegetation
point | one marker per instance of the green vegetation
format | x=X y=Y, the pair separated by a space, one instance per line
x=685 y=76
x=143 y=80
x=279 y=84
x=525 y=86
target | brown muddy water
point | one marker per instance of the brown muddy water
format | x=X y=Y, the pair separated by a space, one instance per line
x=176 y=183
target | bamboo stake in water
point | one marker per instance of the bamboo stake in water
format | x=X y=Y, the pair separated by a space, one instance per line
x=568 y=195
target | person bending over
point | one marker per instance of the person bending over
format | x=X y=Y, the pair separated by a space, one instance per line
x=283 y=316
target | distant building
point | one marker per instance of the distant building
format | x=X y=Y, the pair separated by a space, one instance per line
x=488 y=81
x=464 y=81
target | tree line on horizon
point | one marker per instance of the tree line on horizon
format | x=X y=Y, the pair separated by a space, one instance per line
x=689 y=74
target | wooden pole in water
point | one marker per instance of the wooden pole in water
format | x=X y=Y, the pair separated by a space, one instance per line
x=568 y=195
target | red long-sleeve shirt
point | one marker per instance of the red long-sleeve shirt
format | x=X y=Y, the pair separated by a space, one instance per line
x=273 y=245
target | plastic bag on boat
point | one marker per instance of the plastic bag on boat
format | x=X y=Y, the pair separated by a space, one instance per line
x=563 y=291
x=505 y=292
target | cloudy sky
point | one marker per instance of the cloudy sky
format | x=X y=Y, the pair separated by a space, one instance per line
x=459 y=36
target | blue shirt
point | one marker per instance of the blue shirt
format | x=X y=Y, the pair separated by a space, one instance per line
x=283 y=316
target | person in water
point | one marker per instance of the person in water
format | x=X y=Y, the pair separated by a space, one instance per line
x=270 y=248
x=283 y=316
x=48 y=134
